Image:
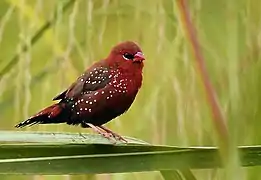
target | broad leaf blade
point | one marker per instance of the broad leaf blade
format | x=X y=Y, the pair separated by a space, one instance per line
x=50 y=137
x=95 y=155
x=171 y=175
x=103 y=163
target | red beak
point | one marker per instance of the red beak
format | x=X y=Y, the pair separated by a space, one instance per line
x=138 y=57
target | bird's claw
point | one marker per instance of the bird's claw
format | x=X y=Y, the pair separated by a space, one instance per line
x=108 y=136
x=118 y=137
x=106 y=133
x=113 y=136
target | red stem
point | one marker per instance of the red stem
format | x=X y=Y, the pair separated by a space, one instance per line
x=218 y=118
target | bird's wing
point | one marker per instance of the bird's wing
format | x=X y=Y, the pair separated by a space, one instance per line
x=93 y=79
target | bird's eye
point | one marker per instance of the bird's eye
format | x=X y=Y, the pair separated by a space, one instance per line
x=128 y=56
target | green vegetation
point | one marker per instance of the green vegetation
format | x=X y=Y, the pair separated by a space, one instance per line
x=171 y=108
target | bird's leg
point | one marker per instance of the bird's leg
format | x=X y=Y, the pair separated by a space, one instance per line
x=100 y=131
x=115 y=135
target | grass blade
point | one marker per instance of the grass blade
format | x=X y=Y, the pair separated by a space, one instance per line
x=94 y=155
x=171 y=175
x=188 y=174
x=34 y=39
x=49 y=137
x=93 y=159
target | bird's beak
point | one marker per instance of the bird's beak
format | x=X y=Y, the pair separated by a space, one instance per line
x=138 y=57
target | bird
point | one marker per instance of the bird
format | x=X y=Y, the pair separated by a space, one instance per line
x=103 y=92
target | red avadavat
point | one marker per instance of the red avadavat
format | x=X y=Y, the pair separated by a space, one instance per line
x=104 y=91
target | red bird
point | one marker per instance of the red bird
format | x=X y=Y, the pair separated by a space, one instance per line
x=104 y=91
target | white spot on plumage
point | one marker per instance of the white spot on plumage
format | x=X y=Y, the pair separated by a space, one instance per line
x=90 y=110
x=77 y=113
x=94 y=100
x=96 y=93
x=90 y=102
x=102 y=92
x=82 y=79
x=85 y=109
x=94 y=82
x=80 y=109
x=82 y=100
x=108 y=97
x=86 y=102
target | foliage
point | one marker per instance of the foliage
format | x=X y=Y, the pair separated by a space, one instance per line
x=171 y=107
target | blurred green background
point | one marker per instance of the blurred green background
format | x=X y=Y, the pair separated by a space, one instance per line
x=171 y=107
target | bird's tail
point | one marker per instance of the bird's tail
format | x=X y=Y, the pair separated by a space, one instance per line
x=51 y=114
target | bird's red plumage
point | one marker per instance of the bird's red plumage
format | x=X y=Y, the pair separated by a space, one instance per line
x=104 y=91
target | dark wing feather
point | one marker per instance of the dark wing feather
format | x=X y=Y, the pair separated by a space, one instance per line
x=93 y=79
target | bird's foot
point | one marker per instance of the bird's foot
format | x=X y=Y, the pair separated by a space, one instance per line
x=102 y=132
x=113 y=134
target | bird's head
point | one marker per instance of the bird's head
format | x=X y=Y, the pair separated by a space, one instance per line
x=127 y=55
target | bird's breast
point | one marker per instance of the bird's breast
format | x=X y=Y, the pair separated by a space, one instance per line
x=126 y=82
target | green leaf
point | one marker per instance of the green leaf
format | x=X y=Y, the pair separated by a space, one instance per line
x=171 y=174
x=50 y=137
x=78 y=159
x=85 y=153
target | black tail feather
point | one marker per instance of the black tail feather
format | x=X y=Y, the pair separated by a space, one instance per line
x=51 y=114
